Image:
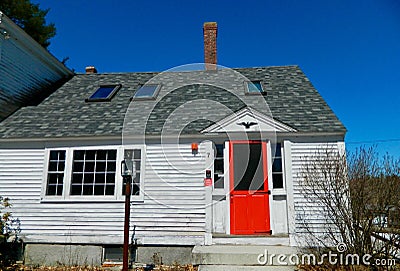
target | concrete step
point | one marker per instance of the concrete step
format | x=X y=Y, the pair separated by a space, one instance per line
x=260 y=241
x=242 y=255
x=244 y=268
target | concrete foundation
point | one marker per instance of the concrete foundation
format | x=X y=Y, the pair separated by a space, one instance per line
x=46 y=254
x=166 y=255
x=59 y=254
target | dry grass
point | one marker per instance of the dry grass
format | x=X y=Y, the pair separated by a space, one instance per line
x=96 y=268
x=346 y=268
x=176 y=267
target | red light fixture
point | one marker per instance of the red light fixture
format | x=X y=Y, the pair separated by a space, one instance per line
x=195 y=148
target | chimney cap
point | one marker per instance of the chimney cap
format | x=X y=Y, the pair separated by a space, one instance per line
x=210 y=25
x=90 y=69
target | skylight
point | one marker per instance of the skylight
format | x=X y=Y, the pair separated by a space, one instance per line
x=254 y=87
x=146 y=91
x=104 y=93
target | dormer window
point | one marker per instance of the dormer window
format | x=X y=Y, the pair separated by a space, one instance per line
x=104 y=93
x=147 y=92
x=254 y=87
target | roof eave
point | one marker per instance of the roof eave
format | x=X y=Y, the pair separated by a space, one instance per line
x=28 y=43
x=188 y=136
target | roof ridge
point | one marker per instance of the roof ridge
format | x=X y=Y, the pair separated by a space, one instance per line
x=157 y=72
x=115 y=73
x=273 y=66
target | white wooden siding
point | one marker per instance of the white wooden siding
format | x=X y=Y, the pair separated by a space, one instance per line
x=172 y=212
x=306 y=212
x=25 y=67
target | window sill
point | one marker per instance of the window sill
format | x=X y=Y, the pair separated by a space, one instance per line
x=278 y=191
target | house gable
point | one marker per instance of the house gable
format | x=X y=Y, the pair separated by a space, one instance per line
x=248 y=120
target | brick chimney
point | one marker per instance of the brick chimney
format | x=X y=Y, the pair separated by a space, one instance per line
x=90 y=69
x=210 y=45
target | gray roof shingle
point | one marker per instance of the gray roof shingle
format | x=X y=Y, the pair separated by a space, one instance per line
x=291 y=98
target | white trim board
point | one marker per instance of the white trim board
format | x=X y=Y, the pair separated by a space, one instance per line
x=257 y=121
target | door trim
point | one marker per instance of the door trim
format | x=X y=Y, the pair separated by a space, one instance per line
x=266 y=185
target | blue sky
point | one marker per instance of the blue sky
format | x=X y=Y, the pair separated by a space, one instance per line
x=350 y=50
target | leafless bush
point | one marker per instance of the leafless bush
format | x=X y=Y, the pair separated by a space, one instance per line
x=359 y=199
x=9 y=230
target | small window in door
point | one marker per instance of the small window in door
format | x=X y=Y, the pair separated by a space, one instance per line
x=248 y=171
x=219 y=166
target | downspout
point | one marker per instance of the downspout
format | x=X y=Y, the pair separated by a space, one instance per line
x=133 y=247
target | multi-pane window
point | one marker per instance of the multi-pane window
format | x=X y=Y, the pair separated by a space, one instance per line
x=55 y=173
x=277 y=170
x=135 y=156
x=219 y=166
x=93 y=172
x=90 y=172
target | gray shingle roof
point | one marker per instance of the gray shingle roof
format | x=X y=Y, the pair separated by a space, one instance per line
x=290 y=96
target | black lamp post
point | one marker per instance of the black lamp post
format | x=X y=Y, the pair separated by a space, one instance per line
x=127 y=172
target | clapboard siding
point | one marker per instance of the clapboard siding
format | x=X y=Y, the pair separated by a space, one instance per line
x=27 y=70
x=307 y=212
x=173 y=203
x=174 y=195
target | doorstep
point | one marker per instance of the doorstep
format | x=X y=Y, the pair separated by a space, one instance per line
x=266 y=240
x=246 y=257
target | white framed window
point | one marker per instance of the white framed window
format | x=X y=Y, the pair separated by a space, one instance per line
x=138 y=158
x=55 y=172
x=219 y=166
x=278 y=180
x=90 y=173
x=93 y=172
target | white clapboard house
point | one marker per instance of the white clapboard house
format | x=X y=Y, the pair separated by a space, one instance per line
x=217 y=152
x=28 y=73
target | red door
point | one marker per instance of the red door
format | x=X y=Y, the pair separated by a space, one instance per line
x=249 y=196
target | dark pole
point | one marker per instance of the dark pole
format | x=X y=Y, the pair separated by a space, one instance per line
x=127 y=179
